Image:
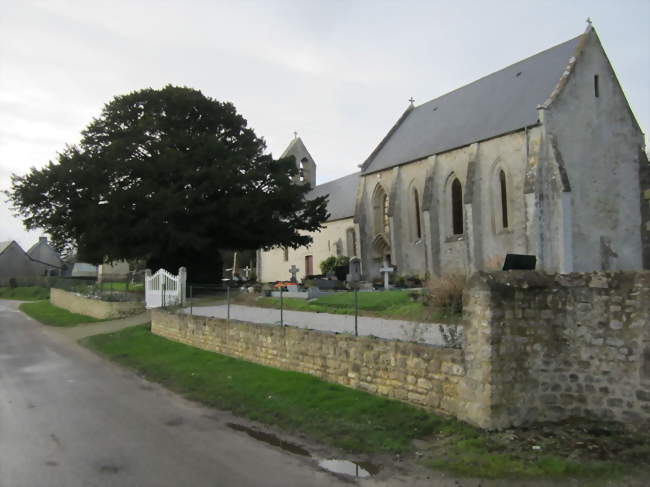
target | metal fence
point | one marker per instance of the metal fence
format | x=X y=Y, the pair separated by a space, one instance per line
x=237 y=304
x=117 y=288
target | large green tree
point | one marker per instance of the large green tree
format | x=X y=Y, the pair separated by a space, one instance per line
x=169 y=176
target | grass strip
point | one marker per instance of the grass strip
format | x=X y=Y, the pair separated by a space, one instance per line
x=51 y=315
x=359 y=422
x=25 y=293
x=329 y=413
x=386 y=304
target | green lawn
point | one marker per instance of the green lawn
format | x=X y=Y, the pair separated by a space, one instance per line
x=25 y=293
x=331 y=413
x=359 y=422
x=121 y=286
x=48 y=314
x=386 y=304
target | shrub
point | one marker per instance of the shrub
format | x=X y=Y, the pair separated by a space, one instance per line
x=342 y=261
x=13 y=284
x=446 y=293
x=328 y=265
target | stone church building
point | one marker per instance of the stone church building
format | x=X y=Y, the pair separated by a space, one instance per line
x=543 y=157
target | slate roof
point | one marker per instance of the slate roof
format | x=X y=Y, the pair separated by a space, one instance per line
x=497 y=104
x=4 y=245
x=342 y=196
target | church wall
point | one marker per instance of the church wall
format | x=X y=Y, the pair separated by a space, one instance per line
x=489 y=239
x=507 y=154
x=453 y=248
x=371 y=260
x=411 y=253
x=275 y=268
x=599 y=143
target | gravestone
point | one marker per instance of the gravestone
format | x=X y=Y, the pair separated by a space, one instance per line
x=354 y=274
x=294 y=270
x=246 y=271
x=386 y=270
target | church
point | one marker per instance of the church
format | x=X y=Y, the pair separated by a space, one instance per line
x=543 y=157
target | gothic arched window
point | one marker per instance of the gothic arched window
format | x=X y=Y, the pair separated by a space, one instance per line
x=504 y=199
x=457 y=207
x=380 y=210
x=417 y=222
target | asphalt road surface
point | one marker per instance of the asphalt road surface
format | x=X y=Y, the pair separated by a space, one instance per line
x=70 y=418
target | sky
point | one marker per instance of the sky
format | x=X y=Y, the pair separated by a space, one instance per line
x=339 y=73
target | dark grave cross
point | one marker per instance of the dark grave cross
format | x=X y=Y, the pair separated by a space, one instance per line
x=294 y=270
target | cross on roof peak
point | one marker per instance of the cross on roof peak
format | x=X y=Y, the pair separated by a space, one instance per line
x=411 y=101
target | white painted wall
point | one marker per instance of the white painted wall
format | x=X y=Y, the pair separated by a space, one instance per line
x=275 y=268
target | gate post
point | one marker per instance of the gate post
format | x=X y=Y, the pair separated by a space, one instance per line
x=182 y=283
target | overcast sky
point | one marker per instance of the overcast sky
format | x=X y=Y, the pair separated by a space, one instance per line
x=339 y=73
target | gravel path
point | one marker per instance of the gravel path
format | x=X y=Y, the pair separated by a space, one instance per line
x=390 y=329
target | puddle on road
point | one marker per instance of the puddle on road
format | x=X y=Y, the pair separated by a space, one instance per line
x=270 y=439
x=345 y=467
x=360 y=470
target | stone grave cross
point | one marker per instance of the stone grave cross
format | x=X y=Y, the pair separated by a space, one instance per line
x=247 y=272
x=386 y=270
x=294 y=270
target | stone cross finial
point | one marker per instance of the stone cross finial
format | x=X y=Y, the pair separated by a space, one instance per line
x=411 y=101
x=294 y=270
x=386 y=270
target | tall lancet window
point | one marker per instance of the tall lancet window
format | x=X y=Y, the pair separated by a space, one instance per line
x=504 y=199
x=457 y=207
x=416 y=215
x=380 y=210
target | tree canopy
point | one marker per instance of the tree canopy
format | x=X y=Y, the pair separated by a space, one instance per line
x=169 y=176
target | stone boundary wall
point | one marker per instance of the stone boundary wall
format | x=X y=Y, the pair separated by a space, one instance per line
x=418 y=374
x=547 y=347
x=94 y=307
x=536 y=347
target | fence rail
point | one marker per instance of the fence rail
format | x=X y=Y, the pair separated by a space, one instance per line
x=237 y=304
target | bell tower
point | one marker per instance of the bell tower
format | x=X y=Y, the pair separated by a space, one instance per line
x=304 y=161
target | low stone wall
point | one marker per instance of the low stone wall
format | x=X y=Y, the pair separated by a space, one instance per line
x=535 y=347
x=94 y=307
x=547 y=347
x=418 y=374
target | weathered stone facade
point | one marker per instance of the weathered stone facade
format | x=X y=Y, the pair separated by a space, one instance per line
x=418 y=374
x=101 y=310
x=536 y=347
x=546 y=347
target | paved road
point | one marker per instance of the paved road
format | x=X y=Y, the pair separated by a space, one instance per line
x=390 y=329
x=69 y=418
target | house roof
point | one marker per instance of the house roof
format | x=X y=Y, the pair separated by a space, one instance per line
x=497 y=104
x=4 y=245
x=342 y=196
x=36 y=251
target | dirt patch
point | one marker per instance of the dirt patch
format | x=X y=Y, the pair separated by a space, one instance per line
x=575 y=448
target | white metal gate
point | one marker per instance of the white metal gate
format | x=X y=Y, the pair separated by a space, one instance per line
x=165 y=289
